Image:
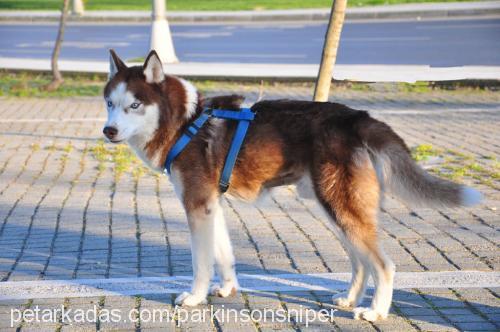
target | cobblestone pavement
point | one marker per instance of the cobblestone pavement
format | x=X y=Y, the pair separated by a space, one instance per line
x=70 y=208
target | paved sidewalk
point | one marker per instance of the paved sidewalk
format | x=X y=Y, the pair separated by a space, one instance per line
x=72 y=207
x=416 y=11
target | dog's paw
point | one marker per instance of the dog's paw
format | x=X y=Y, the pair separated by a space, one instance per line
x=342 y=301
x=189 y=300
x=227 y=290
x=368 y=314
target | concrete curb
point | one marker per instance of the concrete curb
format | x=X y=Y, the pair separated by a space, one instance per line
x=302 y=72
x=405 y=11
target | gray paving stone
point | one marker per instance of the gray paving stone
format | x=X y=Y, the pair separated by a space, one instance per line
x=286 y=233
x=476 y=326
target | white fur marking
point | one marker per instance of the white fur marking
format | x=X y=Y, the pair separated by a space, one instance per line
x=144 y=128
x=154 y=70
x=191 y=98
x=383 y=278
x=137 y=127
x=360 y=273
x=120 y=96
x=113 y=69
x=202 y=229
x=368 y=314
x=224 y=257
x=121 y=99
x=175 y=178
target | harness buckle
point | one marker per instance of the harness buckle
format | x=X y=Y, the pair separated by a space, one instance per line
x=191 y=131
x=223 y=186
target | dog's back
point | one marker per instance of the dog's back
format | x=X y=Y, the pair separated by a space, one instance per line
x=310 y=129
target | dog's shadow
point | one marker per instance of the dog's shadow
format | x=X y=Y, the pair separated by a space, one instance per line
x=25 y=250
x=425 y=309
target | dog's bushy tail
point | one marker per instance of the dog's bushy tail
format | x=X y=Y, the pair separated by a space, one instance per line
x=400 y=175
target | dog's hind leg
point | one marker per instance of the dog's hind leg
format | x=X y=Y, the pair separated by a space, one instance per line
x=360 y=273
x=349 y=191
x=382 y=271
x=224 y=259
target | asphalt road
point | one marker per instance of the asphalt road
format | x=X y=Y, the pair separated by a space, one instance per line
x=432 y=42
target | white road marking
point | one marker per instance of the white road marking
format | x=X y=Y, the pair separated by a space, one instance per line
x=434 y=111
x=77 y=44
x=459 y=26
x=384 y=39
x=52 y=120
x=17 y=290
x=199 y=34
x=26 y=51
x=245 y=55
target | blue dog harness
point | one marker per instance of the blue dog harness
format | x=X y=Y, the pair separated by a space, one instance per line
x=243 y=116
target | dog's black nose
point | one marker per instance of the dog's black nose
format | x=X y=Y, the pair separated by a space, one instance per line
x=110 y=132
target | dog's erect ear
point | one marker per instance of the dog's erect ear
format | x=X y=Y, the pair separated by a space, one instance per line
x=115 y=64
x=153 y=69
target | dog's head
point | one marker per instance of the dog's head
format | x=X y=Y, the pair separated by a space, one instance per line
x=133 y=97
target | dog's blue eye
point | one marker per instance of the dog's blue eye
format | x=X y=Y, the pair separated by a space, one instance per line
x=135 y=105
x=110 y=103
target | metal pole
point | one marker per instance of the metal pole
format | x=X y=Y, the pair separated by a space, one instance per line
x=77 y=7
x=161 y=39
x=330 y=47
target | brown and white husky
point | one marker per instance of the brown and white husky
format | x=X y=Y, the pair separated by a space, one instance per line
x=341 y=157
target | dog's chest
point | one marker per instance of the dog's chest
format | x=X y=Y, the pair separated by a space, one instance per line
x=154 y=163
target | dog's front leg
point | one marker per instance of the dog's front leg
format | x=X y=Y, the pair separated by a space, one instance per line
x=224 y=258
x=201 y=218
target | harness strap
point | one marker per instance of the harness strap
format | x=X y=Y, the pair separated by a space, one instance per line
x=244 y=116
x=184 y=140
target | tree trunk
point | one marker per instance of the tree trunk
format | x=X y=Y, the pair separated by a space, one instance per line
x=330 y=47
x=56 y=74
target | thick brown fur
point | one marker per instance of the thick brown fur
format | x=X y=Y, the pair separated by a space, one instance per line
x=349 y=156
